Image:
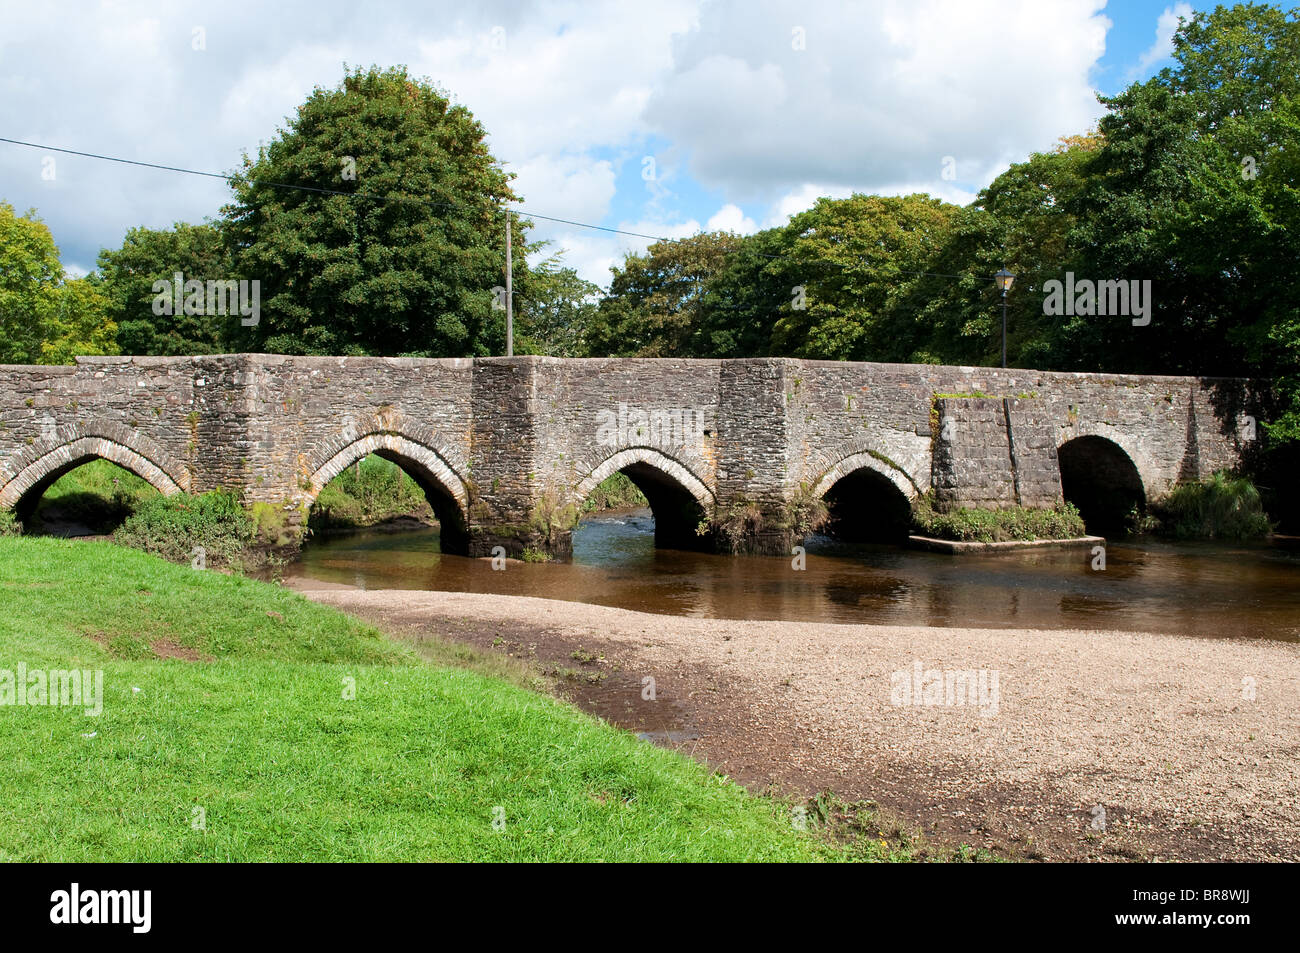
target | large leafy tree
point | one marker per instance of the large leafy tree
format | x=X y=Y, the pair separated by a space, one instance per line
x=1196 y=190
x=554 y=315
x=45 y=318
x=853 y=258
x=405 y=259
x=951 y=313
x=127 y=276
x=30 y=274
x=654 y=298
x=744 y=299
x=77 y=324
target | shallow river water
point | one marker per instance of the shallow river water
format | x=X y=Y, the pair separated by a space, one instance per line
x=1200 y=589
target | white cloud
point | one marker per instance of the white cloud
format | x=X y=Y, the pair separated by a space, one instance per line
x=572 y=95
x=1164 y=41
x=731 y=218
x=880 y=93
x=571 y=186
x=800 y=200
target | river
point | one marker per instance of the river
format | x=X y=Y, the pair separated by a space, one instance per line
x=1211 y=590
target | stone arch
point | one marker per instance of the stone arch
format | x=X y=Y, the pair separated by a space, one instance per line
x=864 y=460
x=1156 y=477
x=70 y=446
x=446 y=490
x=1101 y=478
x=868 y=499
x=678 y=498
x=649 y=457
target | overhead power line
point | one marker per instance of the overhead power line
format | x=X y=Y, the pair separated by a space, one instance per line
x=231 y=177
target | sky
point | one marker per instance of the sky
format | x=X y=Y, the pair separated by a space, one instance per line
x=663 y=118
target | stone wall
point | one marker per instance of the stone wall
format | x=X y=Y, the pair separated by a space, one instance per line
x=510 y=447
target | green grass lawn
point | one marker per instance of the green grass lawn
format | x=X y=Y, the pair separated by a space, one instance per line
x=254 y=730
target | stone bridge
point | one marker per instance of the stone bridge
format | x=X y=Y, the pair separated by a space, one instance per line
x=737 y=452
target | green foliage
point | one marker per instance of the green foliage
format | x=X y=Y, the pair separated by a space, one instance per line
x=554 y=316
x=9 y=525
x=995 y=526
x=350 y=274
x=172 y=526
x=654 y=299
x=127 y=276
x=1020 y=222
x=616 y=491
x=1222 y=507
x=29 y=281
x=45 y=318
x=1198 y=190
x=371 y=492
x=720 y=295
x=852 y=256
x=736 y=526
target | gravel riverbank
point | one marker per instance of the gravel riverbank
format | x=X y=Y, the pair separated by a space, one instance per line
x=1081 y=745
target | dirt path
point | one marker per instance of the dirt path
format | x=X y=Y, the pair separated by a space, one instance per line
x=1191 y=747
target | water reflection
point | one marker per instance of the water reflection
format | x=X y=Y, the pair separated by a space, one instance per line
x=1213 y=590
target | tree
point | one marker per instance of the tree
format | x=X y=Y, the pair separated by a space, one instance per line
x=30 y=274
x=1196 y=191
x=743 y=300
x=853 y=257
x=555 y=313
x=77 y=324
x=45 y=318
x=127 y=277
x=1020 y=221
x=400 y=245
x=654 y=298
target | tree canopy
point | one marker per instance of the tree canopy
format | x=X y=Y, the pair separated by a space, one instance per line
x=45 y=317
x=394 y=240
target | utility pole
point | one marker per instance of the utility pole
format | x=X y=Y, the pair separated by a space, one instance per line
x=510 y=297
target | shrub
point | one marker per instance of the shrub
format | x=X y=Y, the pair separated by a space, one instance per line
x=616 y=491
x=172 y=526
x=995 y=526
x=9 y=525
x=1222 y=507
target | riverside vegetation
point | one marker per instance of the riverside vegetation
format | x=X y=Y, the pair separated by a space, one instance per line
x=995 y=526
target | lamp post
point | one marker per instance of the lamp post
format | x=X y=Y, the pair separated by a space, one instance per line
x=1004 y=281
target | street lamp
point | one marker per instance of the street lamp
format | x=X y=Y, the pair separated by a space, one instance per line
x=1004 y=280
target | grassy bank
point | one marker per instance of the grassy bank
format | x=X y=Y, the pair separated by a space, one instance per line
x=615 y=492
x=996 y=526
x=372 y=491
x=225 y=735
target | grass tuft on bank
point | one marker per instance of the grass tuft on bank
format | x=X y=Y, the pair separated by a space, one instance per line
x=996 y=526
x=372 y=491
x=226 y=735
x=1220 y=507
